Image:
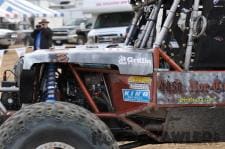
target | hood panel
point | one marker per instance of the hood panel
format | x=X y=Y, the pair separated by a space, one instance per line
x=133 y=62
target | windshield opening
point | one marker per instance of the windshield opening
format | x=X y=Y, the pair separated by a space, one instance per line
x=114 y=20
x=77 y=22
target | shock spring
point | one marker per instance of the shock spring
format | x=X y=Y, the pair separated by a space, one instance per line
x=51 y=83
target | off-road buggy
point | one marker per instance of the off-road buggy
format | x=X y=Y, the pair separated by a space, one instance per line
x=166 y=84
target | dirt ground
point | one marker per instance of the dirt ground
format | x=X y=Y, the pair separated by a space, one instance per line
x=185 y=146
x=11 y=57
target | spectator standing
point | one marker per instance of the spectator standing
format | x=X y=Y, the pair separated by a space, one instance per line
x=42 y=36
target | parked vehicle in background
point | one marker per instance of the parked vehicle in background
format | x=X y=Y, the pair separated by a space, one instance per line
x=111 y=19
x=110 y=27
x=73 y=32
x=7 y=38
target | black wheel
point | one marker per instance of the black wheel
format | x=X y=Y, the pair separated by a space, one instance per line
x=81 y=40
x=4 y=46
x=60 y=125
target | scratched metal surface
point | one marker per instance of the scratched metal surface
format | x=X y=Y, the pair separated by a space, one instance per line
x=191 y=88
x=129 y=61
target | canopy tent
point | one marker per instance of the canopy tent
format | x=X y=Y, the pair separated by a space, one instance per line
x=27 y=9
x=6 y=14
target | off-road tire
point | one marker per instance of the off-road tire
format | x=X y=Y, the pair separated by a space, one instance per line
x=4 y=46
x=81 y=40
x=42 y=123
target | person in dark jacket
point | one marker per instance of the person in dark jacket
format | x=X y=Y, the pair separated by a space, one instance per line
x=42 y=36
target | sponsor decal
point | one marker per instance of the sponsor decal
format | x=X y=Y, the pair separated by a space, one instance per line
x=185 y=100
x=170 y=87
x=138 y=79
x=123 y=60
x=176 y=86
x=189 y=136
x=135 y=95
x=137 y=82
x=139 y=86
x=191 y=88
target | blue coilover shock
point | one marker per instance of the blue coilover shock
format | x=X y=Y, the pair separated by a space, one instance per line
x=51 y=83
